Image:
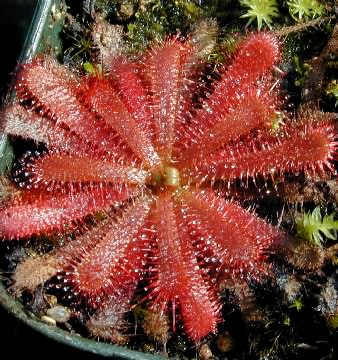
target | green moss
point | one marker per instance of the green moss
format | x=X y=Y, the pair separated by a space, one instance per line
x=302 y=70
x=332 y=321
x=157 y=18
x=277 y=122
x=297 y=304
x=261 y=11
x=88 y=67
x=286 y=320
x=302 y=10
x=332 y=91
x=315 y=228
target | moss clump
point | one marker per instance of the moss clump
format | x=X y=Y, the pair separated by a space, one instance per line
x=261 y=11
x=332 y=91
x=156 y=19
x=302 y=10
x=315 y=228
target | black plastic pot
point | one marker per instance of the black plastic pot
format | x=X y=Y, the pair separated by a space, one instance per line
x=44 y=32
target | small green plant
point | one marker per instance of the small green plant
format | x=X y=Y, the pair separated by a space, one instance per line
x=302 y=10
x=302 y=70
x=297 y=304
x=89 y=68
x=332 y=91
x=315 y=228
x=260 y=10
x=333 y=321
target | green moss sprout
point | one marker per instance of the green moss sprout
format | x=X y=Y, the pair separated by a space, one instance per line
x=302 y=10
x=297 y=304
x=155 y=19
x=315 y=228
x=89 y=68
x=302 y=70
x=333 y=321
x=260 y=10
x=332 y=91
